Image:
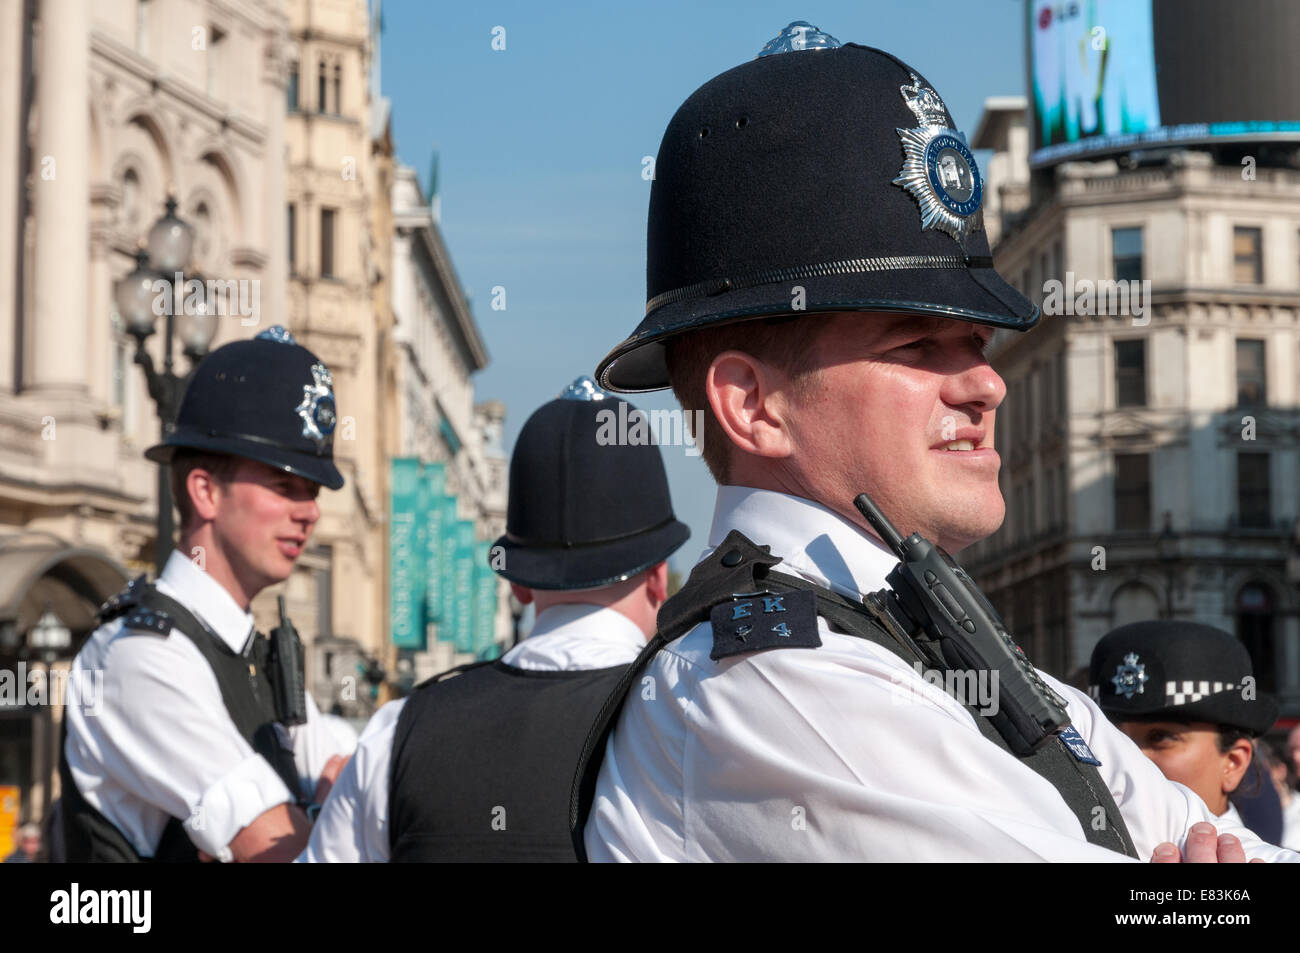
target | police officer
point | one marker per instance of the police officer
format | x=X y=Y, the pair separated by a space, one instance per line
x=819 y=284
x=1185 y=693
x=479 y=766
x=185 y=733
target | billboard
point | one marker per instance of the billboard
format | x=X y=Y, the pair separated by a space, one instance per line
x=1118 y=75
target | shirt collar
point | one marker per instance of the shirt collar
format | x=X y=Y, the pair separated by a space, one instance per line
x=593 y=623
x=813 y=542
x=184 y=581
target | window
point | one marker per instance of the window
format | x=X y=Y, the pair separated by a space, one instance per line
x=327 y=243
x=1132 y=491
x=291 y=91
x=1253 y=503
x=338 y=90
x=1247 y=256
x=293 y=240
x=320 y=88
x=1126 y=250
x=1252 y=378
x=1131 y=373
x=1255 y=629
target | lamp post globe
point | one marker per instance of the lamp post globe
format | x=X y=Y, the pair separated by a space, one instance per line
x=170 y=241
x=134 y=296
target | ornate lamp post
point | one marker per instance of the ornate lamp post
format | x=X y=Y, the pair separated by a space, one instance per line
x=140 y=298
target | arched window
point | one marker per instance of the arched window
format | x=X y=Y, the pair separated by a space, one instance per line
x=338 y=90
x=1255 y=612
x=1133 y=602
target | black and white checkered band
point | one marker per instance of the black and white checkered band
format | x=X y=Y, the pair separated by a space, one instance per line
x=1186 y=692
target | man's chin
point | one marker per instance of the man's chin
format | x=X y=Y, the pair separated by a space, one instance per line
x=977 y=524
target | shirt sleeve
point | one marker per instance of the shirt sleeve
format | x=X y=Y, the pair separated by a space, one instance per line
x=842 y=753
x=1155 y=809
x=314 y=743
x=353 y=823
x=161 y=734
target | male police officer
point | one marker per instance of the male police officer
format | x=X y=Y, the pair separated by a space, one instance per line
x=825 y=184
x=1185 y=693
x=479 y=766
x=201 y=741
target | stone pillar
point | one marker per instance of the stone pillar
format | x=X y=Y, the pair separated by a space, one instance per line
x=274 y=300
x=12 y=38
x=61 y=200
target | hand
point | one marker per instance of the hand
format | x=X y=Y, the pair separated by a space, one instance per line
x=333 y=768
x=1203 y=847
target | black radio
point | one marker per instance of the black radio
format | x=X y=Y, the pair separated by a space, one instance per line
x=932 y=600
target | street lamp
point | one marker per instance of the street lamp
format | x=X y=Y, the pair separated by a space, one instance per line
x=49 y=636
x=139 y=303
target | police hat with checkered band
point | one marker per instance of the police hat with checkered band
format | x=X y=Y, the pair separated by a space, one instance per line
x=1165 y=670
x=819 y=177
x=267 y=399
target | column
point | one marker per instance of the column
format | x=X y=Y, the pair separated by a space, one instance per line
x=61 y=200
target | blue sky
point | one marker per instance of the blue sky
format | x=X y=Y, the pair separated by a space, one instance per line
x=541 y=147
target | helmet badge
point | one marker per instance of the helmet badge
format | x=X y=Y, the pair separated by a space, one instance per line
x=939 y=170
x=317 y=407
x=1130 y=677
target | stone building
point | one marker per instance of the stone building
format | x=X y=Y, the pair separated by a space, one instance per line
x=1151 y=434
x=109 y=106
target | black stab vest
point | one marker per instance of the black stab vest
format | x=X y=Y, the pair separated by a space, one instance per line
x=711 y=583
x=483 y=761
x=245 y=691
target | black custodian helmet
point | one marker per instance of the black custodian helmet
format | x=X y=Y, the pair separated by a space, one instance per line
x=585 y=511
x=267 y=399
x=835 y=169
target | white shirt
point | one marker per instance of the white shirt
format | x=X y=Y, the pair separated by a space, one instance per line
x=153 y=740
x=843 y=752
x=353 y=824
x=1291 y=822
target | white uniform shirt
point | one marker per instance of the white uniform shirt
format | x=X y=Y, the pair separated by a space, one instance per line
x=353 y=824
x=159 y=743
x=844 y=752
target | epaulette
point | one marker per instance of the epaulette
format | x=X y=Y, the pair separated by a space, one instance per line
x=122 y=601
x=145 y=619
x=749 y=622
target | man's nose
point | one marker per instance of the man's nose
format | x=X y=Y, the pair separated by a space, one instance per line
x=307 y=512
x=978 y=385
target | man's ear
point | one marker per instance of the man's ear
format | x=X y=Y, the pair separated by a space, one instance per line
x=747 y=397
x=657 y=583
x=1236 y=761
x=522 y=593
x=205 y=493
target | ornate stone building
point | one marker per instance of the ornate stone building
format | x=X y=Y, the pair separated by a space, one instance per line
x=1150 y=445
x=108 y=105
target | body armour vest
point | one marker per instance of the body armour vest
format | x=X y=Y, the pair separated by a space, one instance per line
x=483 y=763
x=739 y=566
x=245 y=691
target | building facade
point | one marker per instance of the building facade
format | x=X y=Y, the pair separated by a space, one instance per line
x=1151 y=433
x=437 y=349
x=110 y=106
